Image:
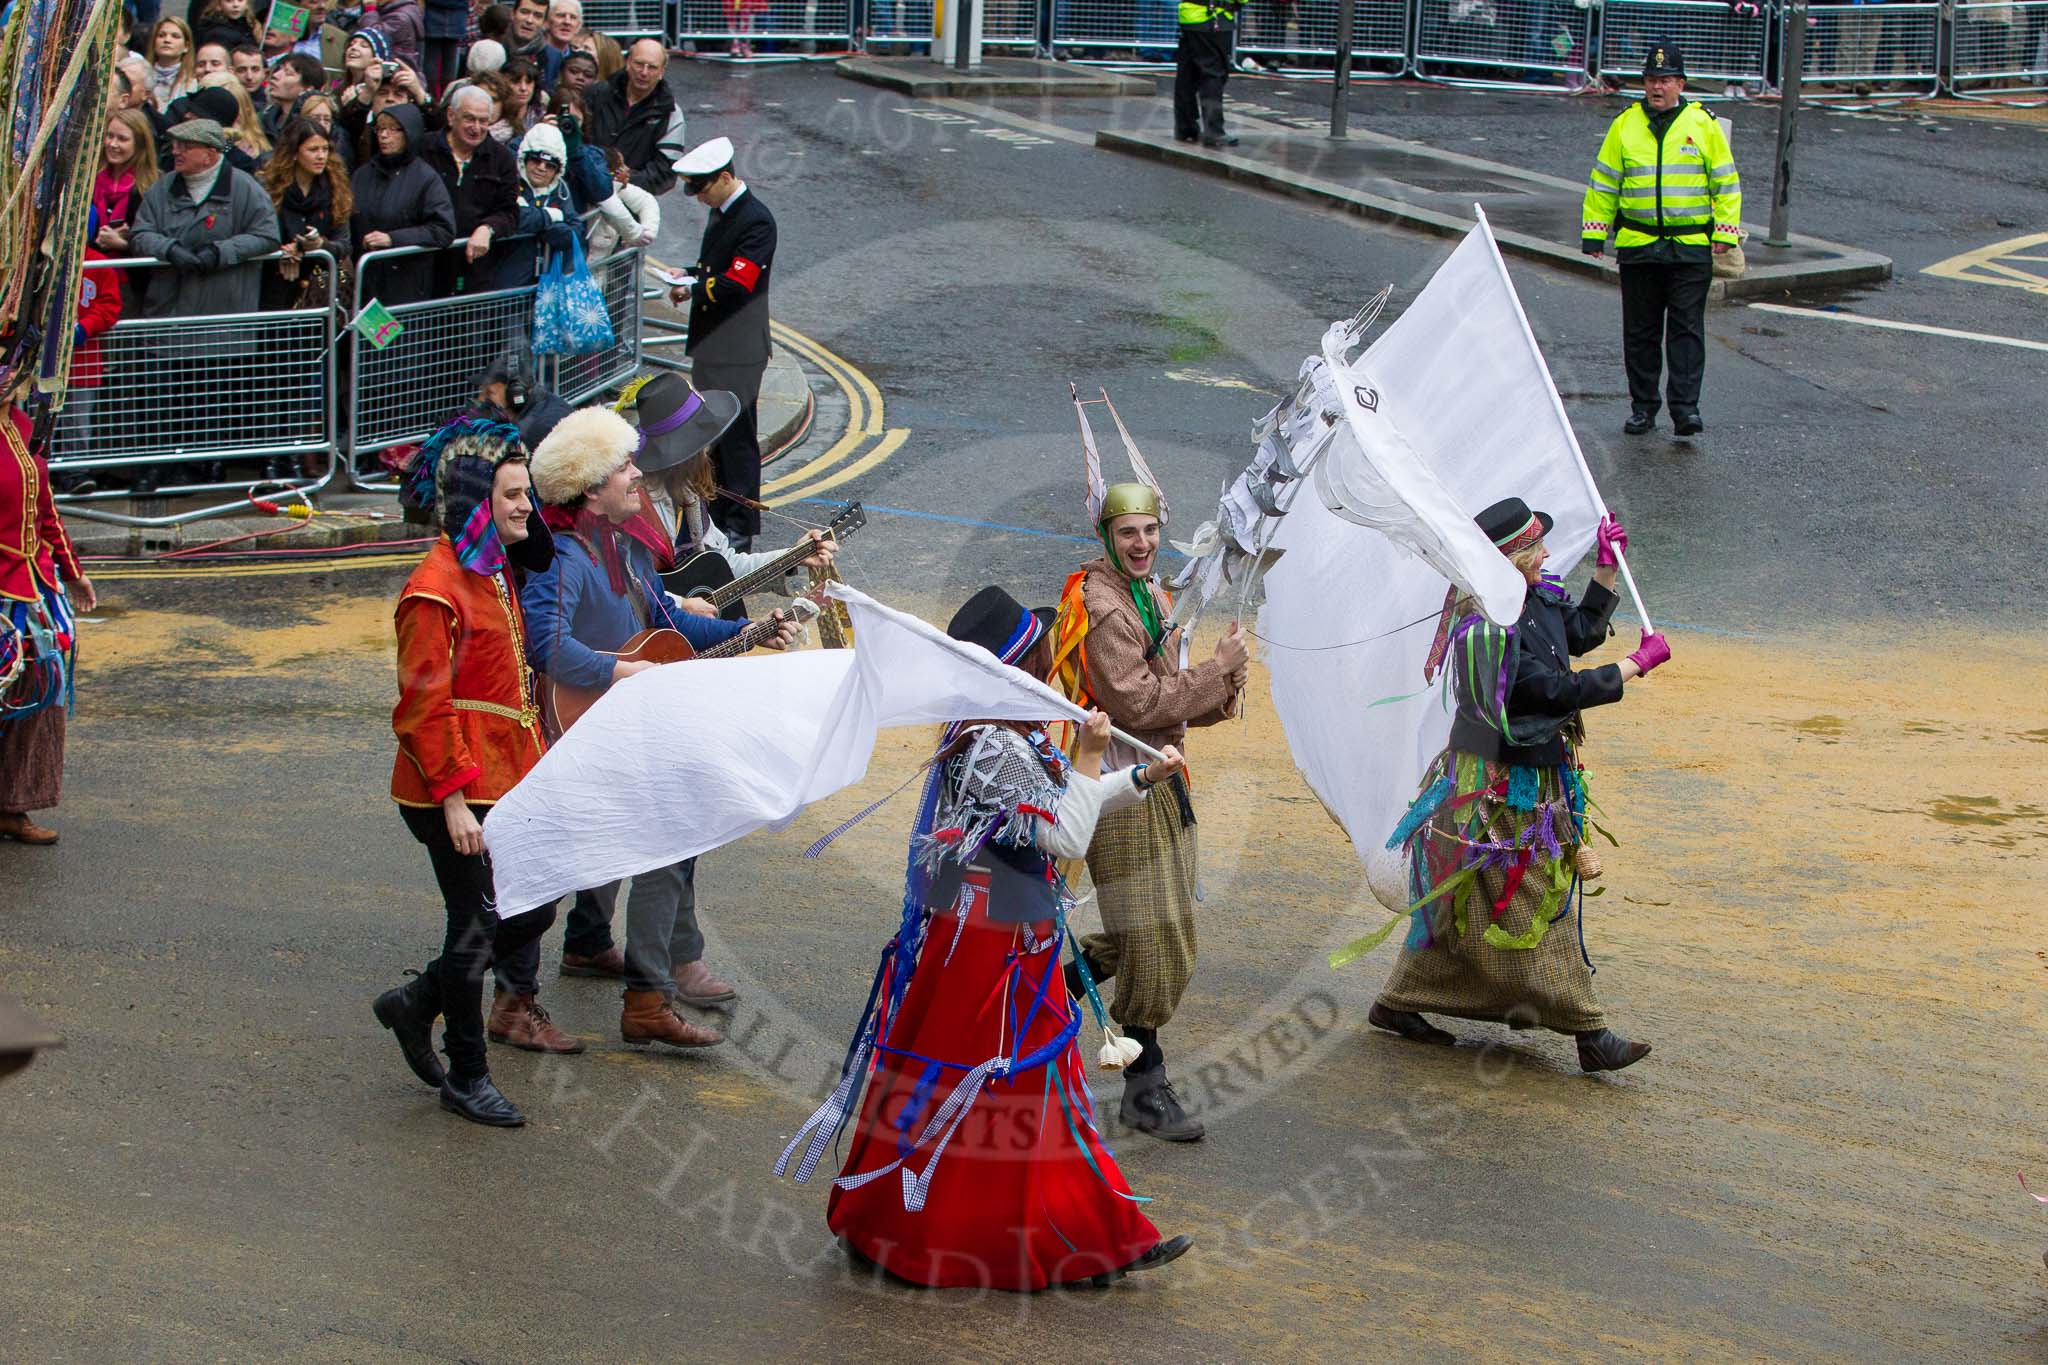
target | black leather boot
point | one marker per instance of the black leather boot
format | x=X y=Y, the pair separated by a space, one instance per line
x=479 y=1101
x=1150 y=1106
x=1606 y=1050
x=1639 y=422
x=1409 y=1025
x=409 y=1012
x=1686 y=423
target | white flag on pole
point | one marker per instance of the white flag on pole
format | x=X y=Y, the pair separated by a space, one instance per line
x=678 y=760
x=1463 y=413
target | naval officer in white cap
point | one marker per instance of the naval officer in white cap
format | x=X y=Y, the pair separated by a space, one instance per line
x=728 y=344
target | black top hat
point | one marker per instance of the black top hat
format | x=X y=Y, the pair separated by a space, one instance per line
x=1664 y=59
x=1512 y=526
x=677 y=421
x=999 y=624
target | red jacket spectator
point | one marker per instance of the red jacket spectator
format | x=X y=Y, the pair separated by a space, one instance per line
x=99 y=308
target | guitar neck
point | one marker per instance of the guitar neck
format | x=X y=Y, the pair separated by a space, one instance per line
x=739 y=644
x=768 y=573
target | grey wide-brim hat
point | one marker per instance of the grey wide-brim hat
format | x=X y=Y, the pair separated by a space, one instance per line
x=677 y=421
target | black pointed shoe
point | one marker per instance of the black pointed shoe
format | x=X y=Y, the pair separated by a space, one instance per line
x=1409 y=1025
x=1687 y=424
x=479 y=1101
x=409 y=1012
x=1151 y=1107
x=1606 y=1050
x=1639 y=422
x=1162 y=1253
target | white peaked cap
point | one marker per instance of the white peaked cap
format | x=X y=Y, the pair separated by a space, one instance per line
x=707 y=159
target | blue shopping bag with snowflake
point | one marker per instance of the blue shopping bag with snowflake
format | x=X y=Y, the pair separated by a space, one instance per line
x=569 y=314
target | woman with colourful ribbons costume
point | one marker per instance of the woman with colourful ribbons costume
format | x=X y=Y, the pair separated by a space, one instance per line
x=975 y=1159
x=468 y=727
x=1495 y=842
x=39 y=577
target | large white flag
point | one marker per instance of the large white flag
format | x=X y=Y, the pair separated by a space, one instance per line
x=1465 y=414
x=675 y=761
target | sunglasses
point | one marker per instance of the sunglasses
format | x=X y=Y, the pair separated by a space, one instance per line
x=696 y=184
x=544 y=159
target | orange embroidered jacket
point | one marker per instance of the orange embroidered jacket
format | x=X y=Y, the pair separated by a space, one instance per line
x=466 y=718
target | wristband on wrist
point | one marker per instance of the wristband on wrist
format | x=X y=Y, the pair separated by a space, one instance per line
x=1138 y=778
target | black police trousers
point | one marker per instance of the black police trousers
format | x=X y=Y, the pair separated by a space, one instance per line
x=1664 y=324
x=1201 y=65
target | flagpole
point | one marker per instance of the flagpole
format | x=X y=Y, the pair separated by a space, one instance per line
x=1557 y=405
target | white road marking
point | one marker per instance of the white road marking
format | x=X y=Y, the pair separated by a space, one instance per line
x=1890 y=326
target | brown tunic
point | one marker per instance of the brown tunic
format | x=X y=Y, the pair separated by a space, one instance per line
x=1143 y=860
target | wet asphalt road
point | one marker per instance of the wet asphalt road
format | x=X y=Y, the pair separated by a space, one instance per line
x=228 y=1162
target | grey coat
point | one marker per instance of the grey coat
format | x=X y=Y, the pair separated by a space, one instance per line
x=244 y=226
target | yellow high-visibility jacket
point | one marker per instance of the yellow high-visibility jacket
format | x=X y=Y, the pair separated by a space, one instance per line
x=1195 y=12
x=1683 y=188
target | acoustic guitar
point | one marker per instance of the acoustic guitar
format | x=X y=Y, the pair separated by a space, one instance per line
x=708 y=574
x=567 y=702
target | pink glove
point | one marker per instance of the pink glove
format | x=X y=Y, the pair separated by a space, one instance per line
x=1651 y=652
x=1612 y=542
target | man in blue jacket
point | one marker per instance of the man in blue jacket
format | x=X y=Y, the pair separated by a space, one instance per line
x=600 y=591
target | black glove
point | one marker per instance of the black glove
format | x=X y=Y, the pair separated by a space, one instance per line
x=208 y=257
x=182 y=257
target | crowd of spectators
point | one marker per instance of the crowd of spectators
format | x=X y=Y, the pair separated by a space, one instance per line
x=265 y=169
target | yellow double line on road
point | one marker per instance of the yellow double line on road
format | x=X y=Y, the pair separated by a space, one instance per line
x=866 y=422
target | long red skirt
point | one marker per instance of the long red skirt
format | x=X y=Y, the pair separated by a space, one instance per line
x=1015 y=1201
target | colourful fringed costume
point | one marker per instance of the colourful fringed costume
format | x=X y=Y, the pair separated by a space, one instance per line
x=37 y=645
x=1493 y=839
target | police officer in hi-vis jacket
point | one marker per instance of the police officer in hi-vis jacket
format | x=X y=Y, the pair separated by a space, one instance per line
x=1665 y=187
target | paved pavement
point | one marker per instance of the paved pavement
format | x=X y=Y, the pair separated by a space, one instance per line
x=1532 y=215
x=1823 y=912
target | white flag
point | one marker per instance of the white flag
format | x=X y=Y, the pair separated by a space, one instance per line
x=676 y=761
x=1465 y=402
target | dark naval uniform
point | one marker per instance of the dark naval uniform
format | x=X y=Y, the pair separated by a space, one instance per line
x=729 y=346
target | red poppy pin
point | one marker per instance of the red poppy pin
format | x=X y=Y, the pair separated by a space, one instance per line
x=209 y=222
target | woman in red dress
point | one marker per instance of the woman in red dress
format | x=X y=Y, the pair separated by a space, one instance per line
x=976 y=1161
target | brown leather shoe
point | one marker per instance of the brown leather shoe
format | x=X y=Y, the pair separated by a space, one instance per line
x=24 y=830
x=649 y=1017
x=695 y=985
x=520 y=1021
x=610 y=963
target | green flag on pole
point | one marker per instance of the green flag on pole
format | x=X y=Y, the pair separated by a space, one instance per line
x=288 y=19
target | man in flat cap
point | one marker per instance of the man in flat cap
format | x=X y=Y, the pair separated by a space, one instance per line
x=728 y=304
x=1665 y=186
x=208 y=222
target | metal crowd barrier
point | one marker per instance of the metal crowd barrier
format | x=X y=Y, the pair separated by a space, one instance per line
x=627 y=19
x=785 y=21
x=1005 y=24
x=2000 y=46
x=1718 y=46
x=400 y=394
x=182 y=400
x=1379 y=31
x=1504 y=42
x=1896 y=46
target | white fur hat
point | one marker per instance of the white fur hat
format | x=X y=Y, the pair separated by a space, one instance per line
x=585 y=448
x=485 y=55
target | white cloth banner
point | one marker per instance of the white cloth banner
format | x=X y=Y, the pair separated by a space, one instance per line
x=676 y=761
x=1459 y=380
